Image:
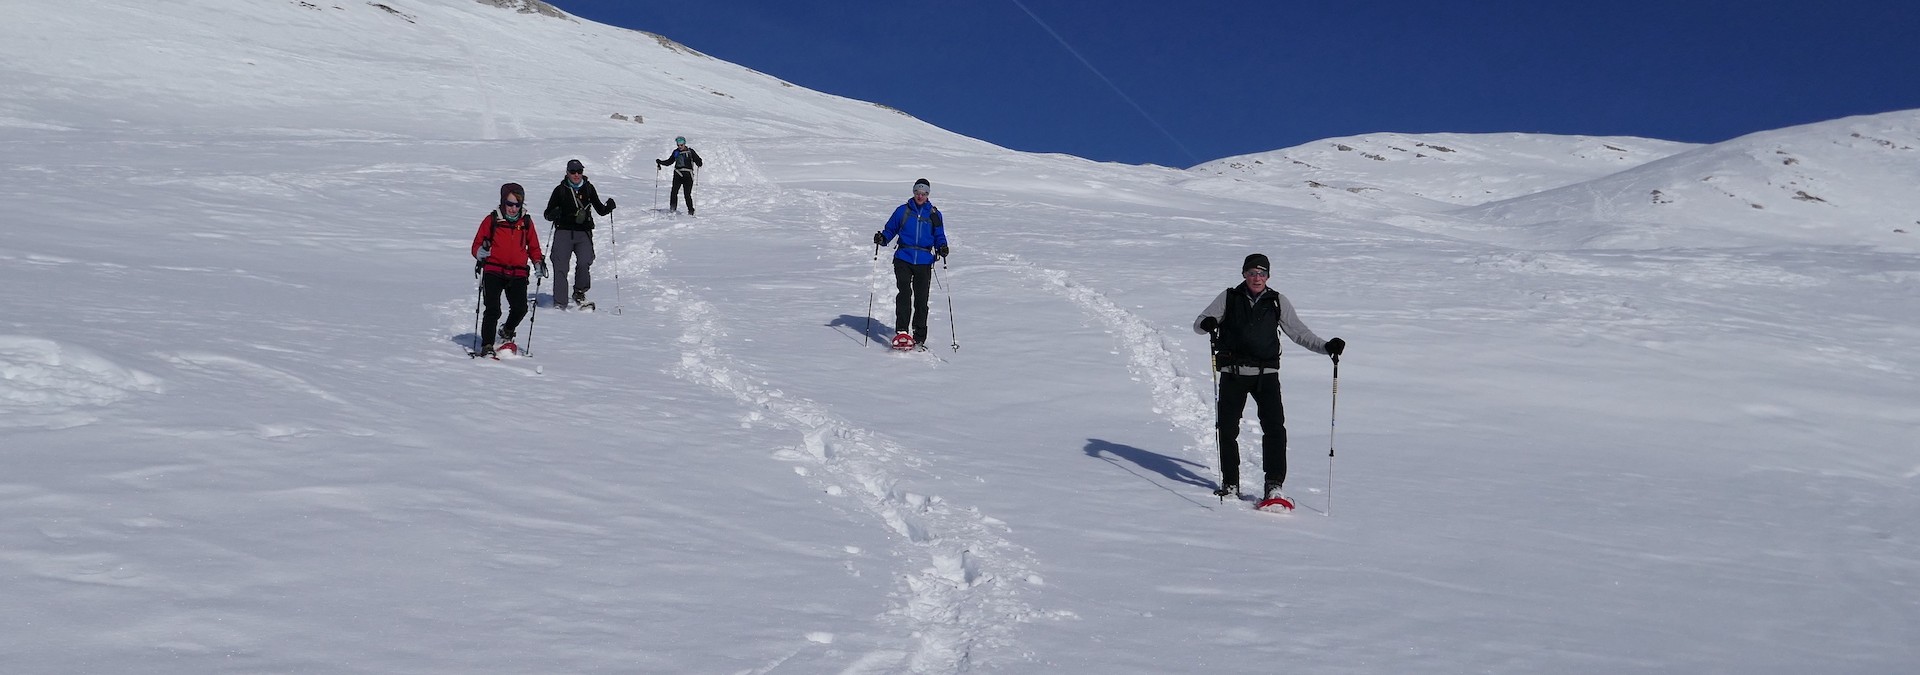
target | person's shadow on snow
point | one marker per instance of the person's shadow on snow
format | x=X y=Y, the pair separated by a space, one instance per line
x=876 y=330
x=1173 y=468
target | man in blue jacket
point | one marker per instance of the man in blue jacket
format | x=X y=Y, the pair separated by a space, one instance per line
x=923 y=239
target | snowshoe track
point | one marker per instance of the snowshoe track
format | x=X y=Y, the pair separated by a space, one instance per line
x=961 y=582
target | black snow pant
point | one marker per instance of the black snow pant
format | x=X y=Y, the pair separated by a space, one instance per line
x=681 y=181
x=491 y=286
x=913 y=282
x=1265 y=389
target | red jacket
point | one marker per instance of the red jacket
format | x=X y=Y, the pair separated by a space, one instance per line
x=513 y=245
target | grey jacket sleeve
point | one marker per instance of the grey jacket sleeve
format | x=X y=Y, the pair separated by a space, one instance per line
x=1215 y=310
x=1291 y=327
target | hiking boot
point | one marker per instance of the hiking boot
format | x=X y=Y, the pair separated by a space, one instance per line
x=579 y=297
x=1226 y=491
x=506 y=334
x=1274 y=497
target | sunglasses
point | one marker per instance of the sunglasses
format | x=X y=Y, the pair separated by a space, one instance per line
x=920 y=191
x=1256 y=273
x=511 y=205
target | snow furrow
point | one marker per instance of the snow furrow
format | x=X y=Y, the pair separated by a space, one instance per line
x=960 y=582
x=1151 y=355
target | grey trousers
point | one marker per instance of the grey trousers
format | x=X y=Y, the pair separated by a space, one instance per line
x=578 y=246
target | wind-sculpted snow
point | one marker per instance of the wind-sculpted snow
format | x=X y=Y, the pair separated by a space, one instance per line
x=44 y=383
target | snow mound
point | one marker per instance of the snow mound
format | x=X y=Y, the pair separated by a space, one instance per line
x=45 y=383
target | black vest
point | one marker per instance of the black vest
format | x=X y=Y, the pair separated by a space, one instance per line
x=1250 y=330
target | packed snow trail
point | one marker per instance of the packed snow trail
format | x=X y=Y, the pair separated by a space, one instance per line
x=961 y=580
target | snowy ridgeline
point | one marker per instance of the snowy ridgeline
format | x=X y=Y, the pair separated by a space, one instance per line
x=1582 y=427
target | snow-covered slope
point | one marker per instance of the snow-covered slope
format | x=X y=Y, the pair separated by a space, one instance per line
x=1847 y=181
x=1436 y=172
x=238 y=432
x=458 y=70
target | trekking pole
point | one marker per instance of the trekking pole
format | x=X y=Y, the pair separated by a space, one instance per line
x=1213 y=371
x=479 y=287
x=614 y=233
x=533 y=313
x=1332 y=416
x=656 y=188
x=955 y=330
x=867 y=335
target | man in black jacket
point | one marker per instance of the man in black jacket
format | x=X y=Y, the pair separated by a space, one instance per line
x=1246 y=323
x=683 y=159
x=570 y=208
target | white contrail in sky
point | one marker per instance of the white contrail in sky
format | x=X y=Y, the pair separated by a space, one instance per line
x=1103 y=78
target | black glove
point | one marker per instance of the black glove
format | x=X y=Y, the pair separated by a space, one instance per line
x=942 y=252
x=879 y=239
x=1209 y=323
x=1336 y=346
x=610 y=206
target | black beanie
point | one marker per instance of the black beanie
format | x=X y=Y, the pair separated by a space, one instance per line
x=1256 y=260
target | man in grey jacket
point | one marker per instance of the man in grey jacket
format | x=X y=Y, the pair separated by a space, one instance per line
x=1246 y=323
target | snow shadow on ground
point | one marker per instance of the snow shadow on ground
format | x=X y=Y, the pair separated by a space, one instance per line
x=468 y=341
x=876 y=330
x=1172 y=468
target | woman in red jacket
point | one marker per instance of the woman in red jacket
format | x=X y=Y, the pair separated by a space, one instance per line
x=505 y=245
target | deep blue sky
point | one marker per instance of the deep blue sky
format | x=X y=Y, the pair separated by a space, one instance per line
x=1229 y=77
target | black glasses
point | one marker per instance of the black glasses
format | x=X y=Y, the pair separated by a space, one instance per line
x=511 y=205
x=1255 y=273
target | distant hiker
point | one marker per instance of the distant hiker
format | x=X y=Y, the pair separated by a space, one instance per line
x=505 y=245
x=683 y=159
x=570 y=209
x=923 y=239
x=1246 y=323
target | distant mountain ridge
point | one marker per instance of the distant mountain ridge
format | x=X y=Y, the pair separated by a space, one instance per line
x=1850 y=180
x=1448 y=169
x=1847 y=181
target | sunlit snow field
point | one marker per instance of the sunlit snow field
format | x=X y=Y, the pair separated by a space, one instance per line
x=1580 y=429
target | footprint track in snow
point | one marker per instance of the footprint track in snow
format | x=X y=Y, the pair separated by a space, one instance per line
x=960 y=579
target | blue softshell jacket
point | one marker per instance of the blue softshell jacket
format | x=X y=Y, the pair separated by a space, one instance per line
x=920 y=231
